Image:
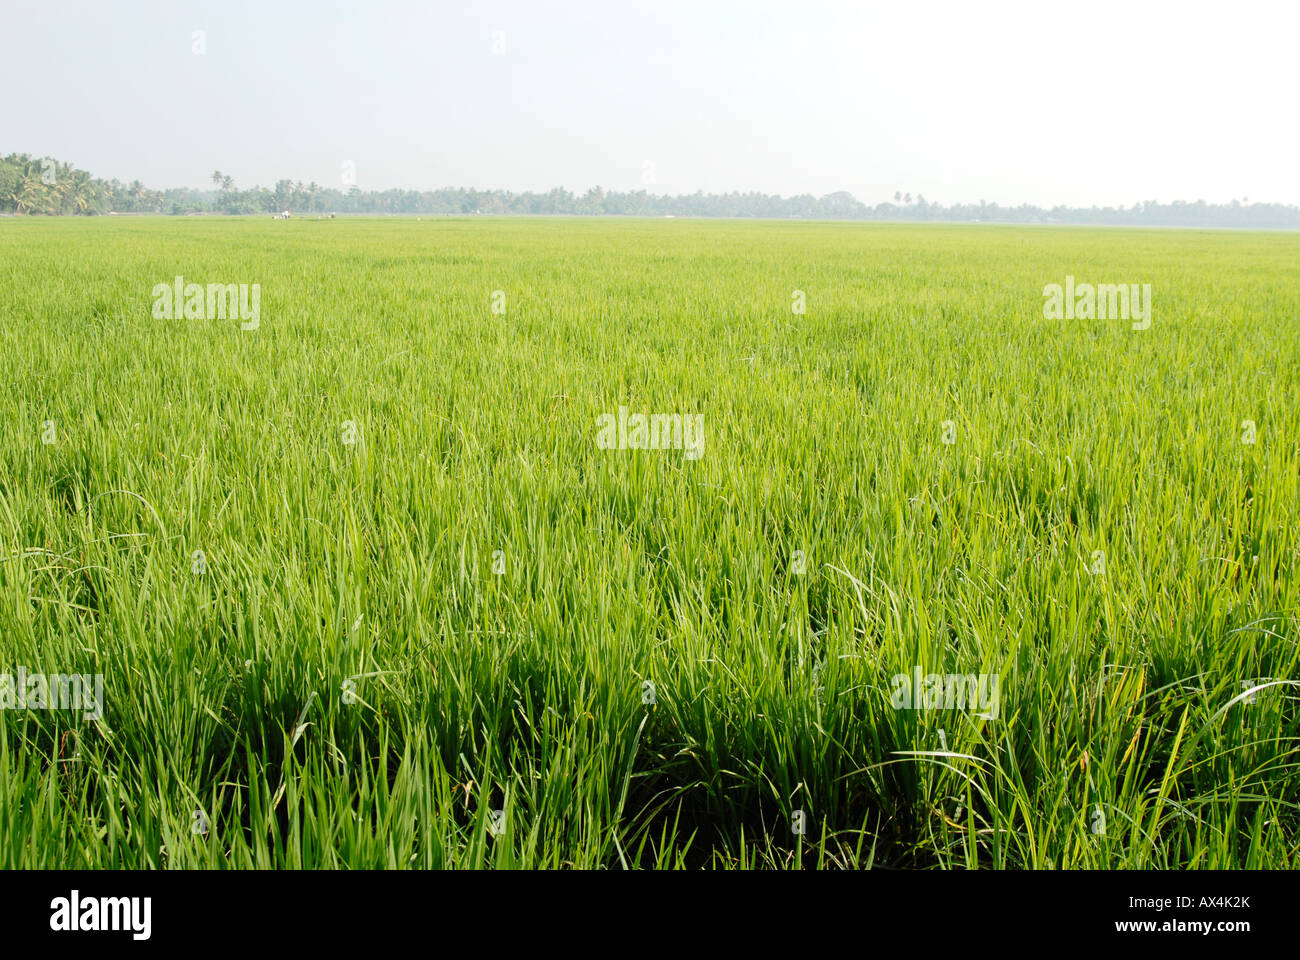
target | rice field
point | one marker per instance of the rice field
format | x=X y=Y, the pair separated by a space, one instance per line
x=393 y=575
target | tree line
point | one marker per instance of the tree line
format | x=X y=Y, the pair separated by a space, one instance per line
x=40 y=185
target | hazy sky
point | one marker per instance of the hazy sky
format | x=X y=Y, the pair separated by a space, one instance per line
x=1043 y=102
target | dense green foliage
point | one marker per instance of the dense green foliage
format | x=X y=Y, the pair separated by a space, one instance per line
x=332 y=568
x=24 y=190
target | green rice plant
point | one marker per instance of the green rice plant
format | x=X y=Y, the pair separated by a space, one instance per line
x=364 y=590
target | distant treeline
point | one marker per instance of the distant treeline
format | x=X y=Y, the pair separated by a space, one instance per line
x=32 y=185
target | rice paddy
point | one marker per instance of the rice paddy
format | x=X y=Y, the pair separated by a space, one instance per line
x=388 y=572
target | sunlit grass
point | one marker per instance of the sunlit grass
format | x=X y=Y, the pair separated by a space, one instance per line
x=324 y=562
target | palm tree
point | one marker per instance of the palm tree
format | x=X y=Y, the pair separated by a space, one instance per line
x=83 y=190
x=30 y=192
x=61 y=190
x=136 y=191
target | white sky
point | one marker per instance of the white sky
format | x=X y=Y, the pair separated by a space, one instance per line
x=1096 y=103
